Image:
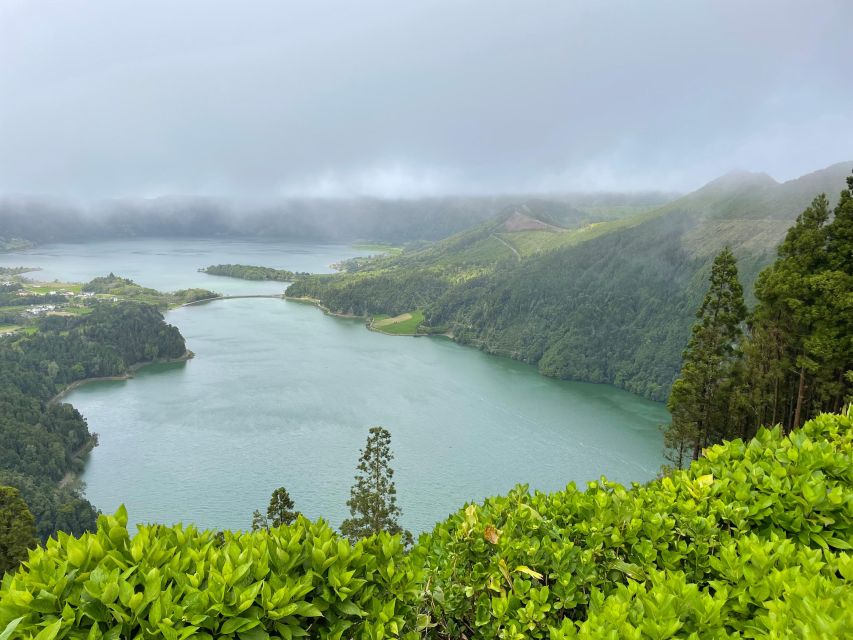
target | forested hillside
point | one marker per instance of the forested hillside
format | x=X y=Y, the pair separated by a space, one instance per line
x=752 y=541
x=42 y=442
x=609 y=301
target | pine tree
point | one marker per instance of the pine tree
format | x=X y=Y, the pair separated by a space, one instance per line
x=700 y=398
x=800 y=349
x=836 y=328
x=17 y=529
x=259 y=521
x=281 y=511
x=373 y=497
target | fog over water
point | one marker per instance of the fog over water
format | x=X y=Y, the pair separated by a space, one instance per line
x=329 y=99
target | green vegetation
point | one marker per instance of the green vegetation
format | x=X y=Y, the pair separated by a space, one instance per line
x=126 y=289
x=248 y=272
x=377 y=248
x=45 y=288
x=701 y=398
x=17 y=529
x=42 y=442
x=406 y=324
x=752 y=541
x=22 y=301
x=280 y=512
x=796 y=359
x=602 y=301
x=373 y=497
x=800 y=348
x=746 y=541
x=173 y=582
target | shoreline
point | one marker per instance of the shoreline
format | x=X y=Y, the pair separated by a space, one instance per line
x=368 y=322
x=72 y=477
x=131 y=370
x=319 y=304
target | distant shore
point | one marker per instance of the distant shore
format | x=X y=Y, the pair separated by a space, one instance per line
x=368 y=323
x=318 y=303
x=188 y=355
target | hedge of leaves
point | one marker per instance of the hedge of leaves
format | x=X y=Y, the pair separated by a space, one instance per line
x=174 y=583
x=753 y=541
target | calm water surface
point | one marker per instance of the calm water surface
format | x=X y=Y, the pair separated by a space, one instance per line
x=280 y=394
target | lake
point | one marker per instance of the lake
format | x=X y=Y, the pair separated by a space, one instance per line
x=280 y=394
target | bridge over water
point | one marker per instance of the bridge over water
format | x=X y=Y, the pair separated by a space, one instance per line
x=203 y=300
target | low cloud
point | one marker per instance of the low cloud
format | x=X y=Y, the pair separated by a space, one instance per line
x=337 y=99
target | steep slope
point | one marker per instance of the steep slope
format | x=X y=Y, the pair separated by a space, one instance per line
x=608 y=301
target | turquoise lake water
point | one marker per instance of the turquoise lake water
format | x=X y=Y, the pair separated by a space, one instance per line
x=280 y=394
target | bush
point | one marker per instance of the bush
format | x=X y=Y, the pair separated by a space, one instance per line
x=752 y=541
x=753 y=538
x=176 y=582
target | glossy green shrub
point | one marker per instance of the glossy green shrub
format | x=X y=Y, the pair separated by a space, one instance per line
x=753 y=541
x=768 y=589
x=687 y=553
x=174 y=583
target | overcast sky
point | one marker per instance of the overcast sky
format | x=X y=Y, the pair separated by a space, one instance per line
x=407 y=98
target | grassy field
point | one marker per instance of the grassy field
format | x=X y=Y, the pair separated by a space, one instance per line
x=9 y=328
x=47 y=287
x=405 y=324
x=72 y=310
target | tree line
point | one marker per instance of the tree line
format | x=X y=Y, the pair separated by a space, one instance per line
x=250 y=272
x=787 y=360
x=42 y=442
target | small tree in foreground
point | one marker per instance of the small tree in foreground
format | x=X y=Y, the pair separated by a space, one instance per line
x=373 y=497
x=281 y=511
x=17 y=530
x=259 y=521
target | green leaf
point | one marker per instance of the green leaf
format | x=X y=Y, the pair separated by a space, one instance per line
x=50 y=631
x=7 y=632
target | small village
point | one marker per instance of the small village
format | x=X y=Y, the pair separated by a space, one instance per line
x=23 y=300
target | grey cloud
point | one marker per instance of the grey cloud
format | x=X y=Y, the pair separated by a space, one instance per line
x=114 y=98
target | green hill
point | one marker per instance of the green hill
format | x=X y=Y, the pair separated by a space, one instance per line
x=607 y=300
x=752 y=541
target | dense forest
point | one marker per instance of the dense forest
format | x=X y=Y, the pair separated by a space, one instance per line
x=249 y=272
x=604 y=302
x=42 y=442
x=751 y=541
x=787 y=360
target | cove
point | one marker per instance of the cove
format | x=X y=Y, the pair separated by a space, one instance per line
x=280 y=394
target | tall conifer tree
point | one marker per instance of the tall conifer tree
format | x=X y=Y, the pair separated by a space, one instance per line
x=800 y=351
x=373 y=497
x=701 y=397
